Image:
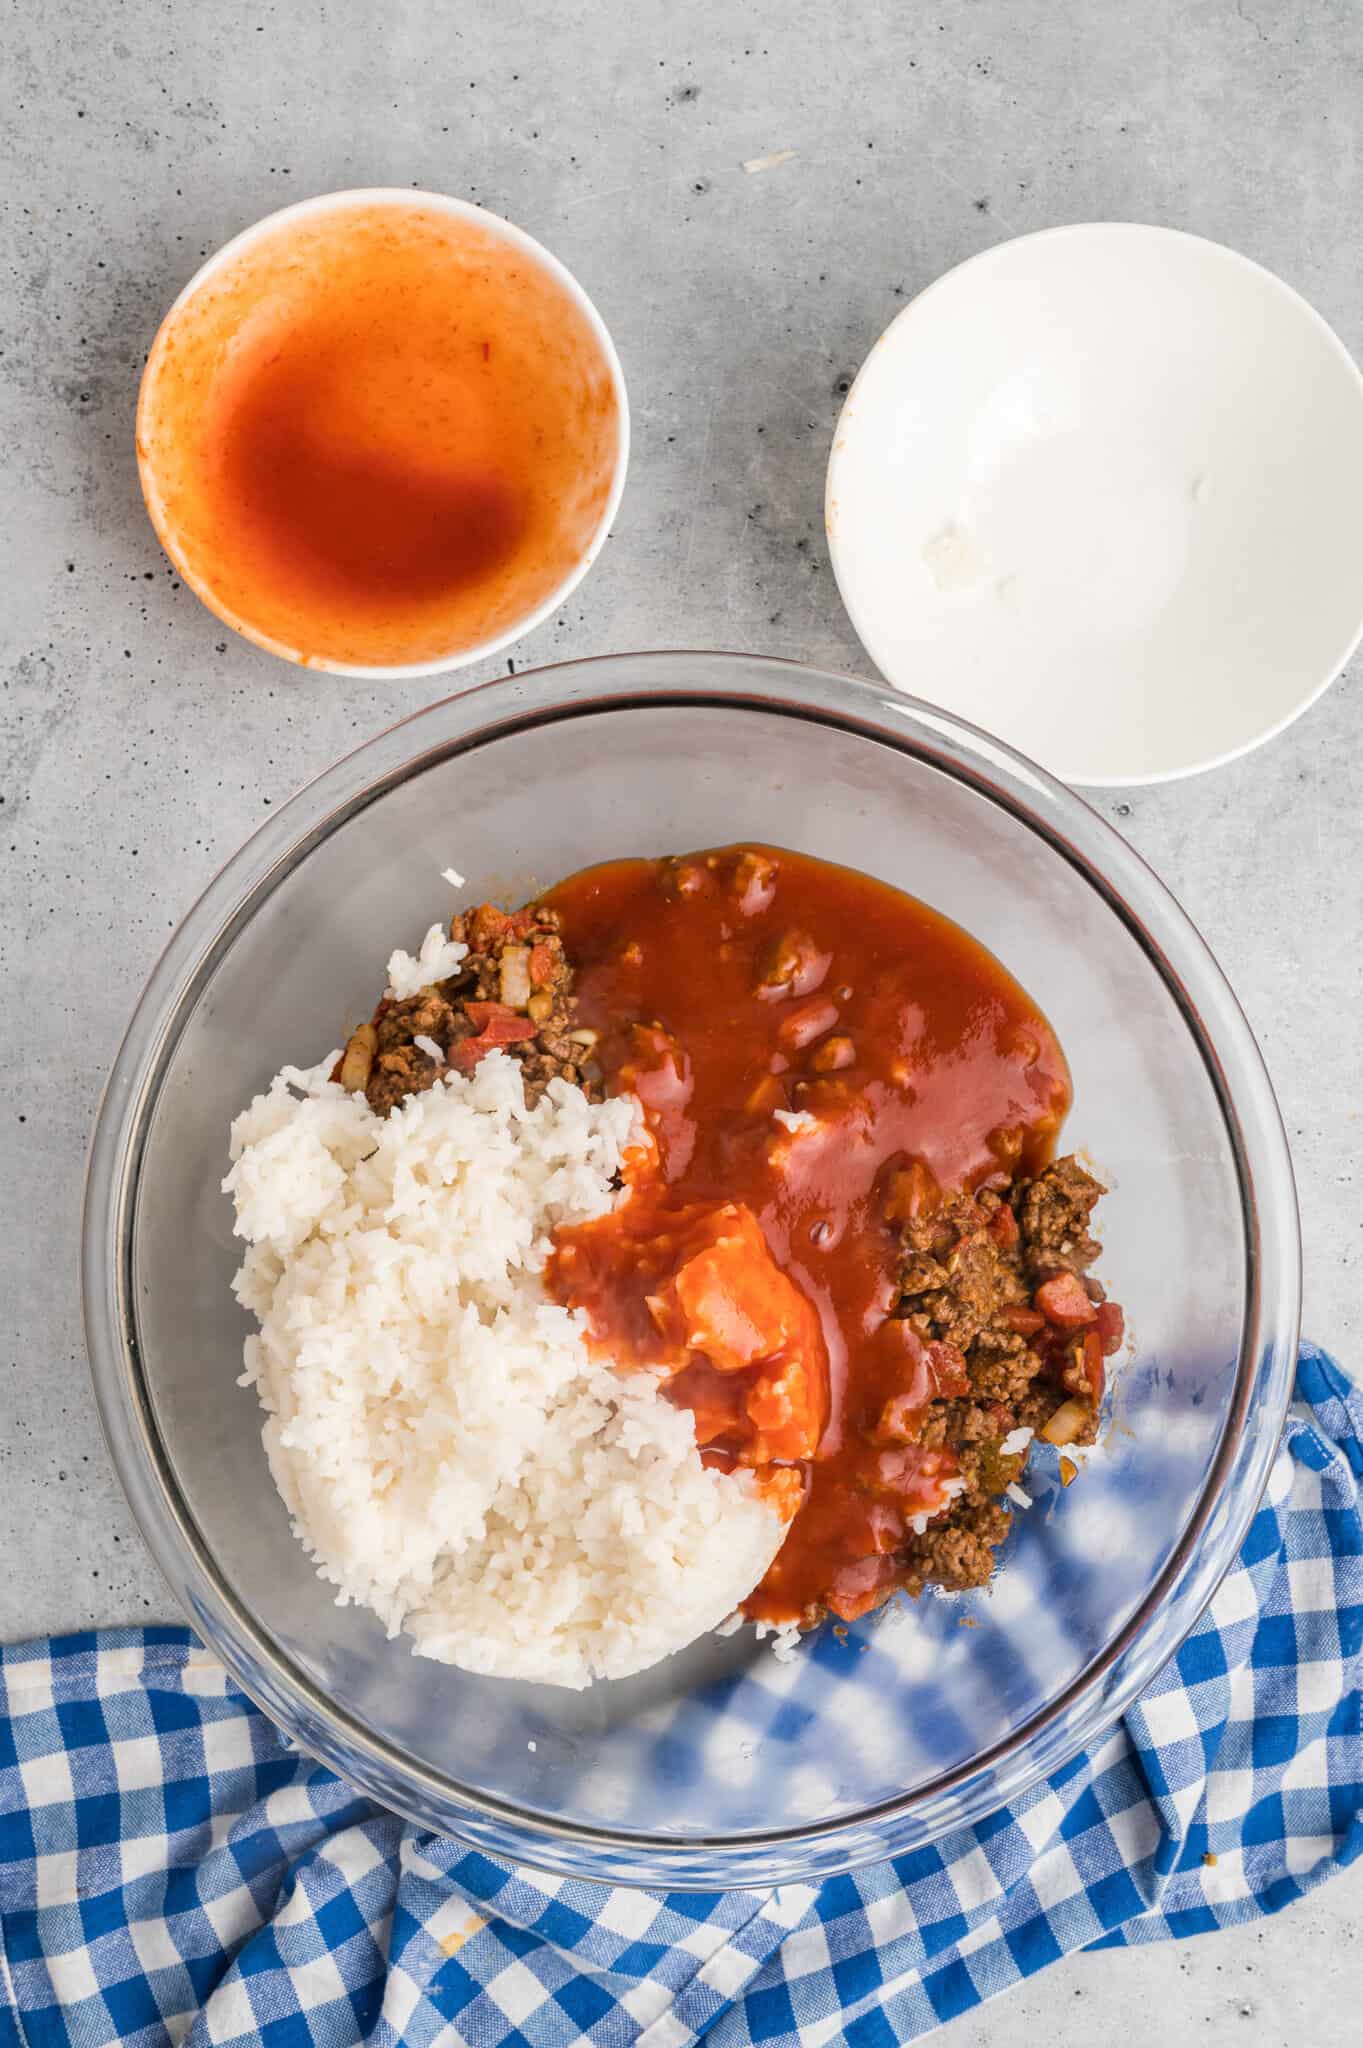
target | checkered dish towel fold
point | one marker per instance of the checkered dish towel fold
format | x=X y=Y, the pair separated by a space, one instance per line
x=169 y=1870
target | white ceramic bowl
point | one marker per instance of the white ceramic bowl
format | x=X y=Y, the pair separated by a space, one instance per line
x=1100 y=490
x=319 y=208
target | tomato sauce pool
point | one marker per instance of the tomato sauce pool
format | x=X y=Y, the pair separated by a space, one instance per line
x=796 y=1032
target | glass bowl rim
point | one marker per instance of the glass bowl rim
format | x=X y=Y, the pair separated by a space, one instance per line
x=607 y=684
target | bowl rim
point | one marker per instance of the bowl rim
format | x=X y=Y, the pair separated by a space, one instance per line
x=1208 y=1544
x=1210 y=252
x=412 y=199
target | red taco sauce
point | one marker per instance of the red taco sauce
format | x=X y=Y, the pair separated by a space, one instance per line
x=734 y=991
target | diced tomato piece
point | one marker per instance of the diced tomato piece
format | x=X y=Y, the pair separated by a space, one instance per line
x=870 y=1528
x=911 y=1194
x=925 y=1367
x=1026 y=1321
x=497 y=1024
x=541 y=965
x=465 y=1055
x=1003 y=1226
x=1111 y=1325
x=1064 y=1302
x=913 y=1477
x=948 y=1367
x=857 y=1587
x=486 y=926
x=899 y=1421
x=907 y=1355
x=1082 y=1373
x=885 y=1526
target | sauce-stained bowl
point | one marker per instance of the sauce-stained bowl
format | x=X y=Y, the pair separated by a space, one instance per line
x=383 y=433
x=723 y=1766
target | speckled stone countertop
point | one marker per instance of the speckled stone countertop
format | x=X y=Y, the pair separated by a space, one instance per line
x=142 y=743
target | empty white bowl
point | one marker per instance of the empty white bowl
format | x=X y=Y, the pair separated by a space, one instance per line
x=1100 y=490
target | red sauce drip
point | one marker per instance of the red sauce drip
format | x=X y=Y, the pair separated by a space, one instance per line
x=906 y=1041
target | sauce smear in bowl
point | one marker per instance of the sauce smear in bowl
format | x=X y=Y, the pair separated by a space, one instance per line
x=382 y=432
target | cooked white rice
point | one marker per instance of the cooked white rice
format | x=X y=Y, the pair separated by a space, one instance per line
x=436 y=961
x=449 y=1452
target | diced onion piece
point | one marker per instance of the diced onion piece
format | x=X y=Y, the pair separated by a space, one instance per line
x=1069 y=1421
x=515 y=976
x=801 y=1026
x=358 y=1059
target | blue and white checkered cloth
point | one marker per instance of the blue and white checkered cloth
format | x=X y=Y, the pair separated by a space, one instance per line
x=170 y=1871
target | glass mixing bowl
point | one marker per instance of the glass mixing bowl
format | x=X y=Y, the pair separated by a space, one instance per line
x=722 y=1767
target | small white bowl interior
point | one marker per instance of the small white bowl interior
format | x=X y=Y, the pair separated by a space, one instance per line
x=1100 y=490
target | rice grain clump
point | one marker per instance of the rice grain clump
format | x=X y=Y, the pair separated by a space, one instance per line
x=450 y=1453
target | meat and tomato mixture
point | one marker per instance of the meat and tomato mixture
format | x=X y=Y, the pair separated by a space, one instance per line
x=511 y=990
x=847 y=1242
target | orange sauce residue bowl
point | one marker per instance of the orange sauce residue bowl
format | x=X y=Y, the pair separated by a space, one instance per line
x=382 y=432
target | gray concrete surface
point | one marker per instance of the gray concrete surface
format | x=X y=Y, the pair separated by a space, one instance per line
x=142 y=743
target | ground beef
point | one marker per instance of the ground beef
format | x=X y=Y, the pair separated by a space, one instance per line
x=974 y=1275
x=512 y=991
x=959 y=1552
x=404 y=1070
x=400 y=1067
x=1053 y=1212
